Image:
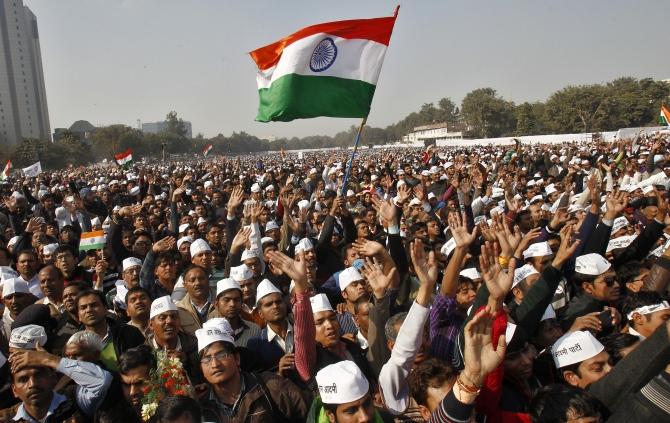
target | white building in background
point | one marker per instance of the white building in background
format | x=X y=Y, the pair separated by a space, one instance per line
x=23 y=100
x=431 y=134
x=157 y=127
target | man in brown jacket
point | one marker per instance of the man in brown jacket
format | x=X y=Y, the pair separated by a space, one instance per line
x=197 y=306
x=234 y=395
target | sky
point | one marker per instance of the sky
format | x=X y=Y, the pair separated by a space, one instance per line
x=117 y=61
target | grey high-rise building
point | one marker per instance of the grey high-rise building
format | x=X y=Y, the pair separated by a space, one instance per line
x=23 y=100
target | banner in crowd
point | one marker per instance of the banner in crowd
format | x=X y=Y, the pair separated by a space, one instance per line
x=32 y=170
x=124 y=158
x=92 y=240
x=329 y=69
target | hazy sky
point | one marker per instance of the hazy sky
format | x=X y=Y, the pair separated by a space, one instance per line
x=116 y=61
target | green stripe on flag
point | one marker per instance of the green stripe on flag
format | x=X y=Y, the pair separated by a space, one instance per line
x=84 y=247
x=296 y=96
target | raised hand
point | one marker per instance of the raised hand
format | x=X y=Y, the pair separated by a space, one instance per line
x=479 y=355
x=498 y=280
x=567 y=248
x=527 y=239
x=403 y=193
x=425 y=265
x=338 y=204
x=616 y=201
x=294 y=269
x=34 y=225
x=236 y=198
x=166 y=244
x=241 y=239
x=386 y=209
x=374 y=274
x=459 y=230
x=368 y=248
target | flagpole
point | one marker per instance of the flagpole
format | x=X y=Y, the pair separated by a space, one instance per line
x=351 y=160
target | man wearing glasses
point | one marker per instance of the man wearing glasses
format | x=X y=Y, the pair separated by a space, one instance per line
x=235 y=395
x=598 y=289
x=66 y=262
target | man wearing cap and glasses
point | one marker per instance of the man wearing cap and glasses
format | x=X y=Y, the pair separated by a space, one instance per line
x=234 y=395
x=598 y=289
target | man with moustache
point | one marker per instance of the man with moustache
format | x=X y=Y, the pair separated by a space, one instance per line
x=116 y=336
x=138 y=304
x=51 y=284
x=168 y=336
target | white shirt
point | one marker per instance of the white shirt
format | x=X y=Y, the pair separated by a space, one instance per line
x=34 y=286
x=285 y=344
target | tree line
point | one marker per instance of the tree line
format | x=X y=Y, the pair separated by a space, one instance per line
x=483 y=113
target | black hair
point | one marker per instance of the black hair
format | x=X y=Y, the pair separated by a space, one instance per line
x=640 y=299
x=432 y=372
x=136 y=289
x=561 y=403
x=163 y=256
x=193 y=267
x=63 y=248
x=627 y=272
x=615 y=343
x=136 y=357
x=173 y=408
x=88 y=292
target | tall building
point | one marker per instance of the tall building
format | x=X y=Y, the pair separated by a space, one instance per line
x=157 y=127
x=23 y=100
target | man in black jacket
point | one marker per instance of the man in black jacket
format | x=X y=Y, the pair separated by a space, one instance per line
x=116 y=336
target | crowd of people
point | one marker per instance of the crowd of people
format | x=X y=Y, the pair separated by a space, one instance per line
x=525 y=283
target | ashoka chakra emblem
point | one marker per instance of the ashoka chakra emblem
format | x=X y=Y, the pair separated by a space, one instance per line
x=323 y=56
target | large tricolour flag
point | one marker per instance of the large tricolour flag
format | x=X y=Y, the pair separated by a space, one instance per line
x=664 y=118
x=124 y=158
x=329 y=69
x=92 y=240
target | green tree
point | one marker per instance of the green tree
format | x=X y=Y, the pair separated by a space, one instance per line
x=487 y=115
x=448 y=110
x=175 y=125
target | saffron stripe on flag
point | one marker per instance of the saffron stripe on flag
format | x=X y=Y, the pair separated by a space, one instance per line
x=376 y=29
x=92 y=240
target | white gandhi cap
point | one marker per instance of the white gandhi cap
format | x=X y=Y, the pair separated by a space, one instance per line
x=348 y=276
x=265 y=288
x=214 y=330
x=320 y=303
x=575 y=347
x=341 y=383
x=161 y=305
x=592 y=264
x=539 y=249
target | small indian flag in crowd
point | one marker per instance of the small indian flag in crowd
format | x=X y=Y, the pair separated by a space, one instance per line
x=207 y=149
x=5 y=172
x=92 y=240
x=664 y=118
x=124 y=158
x=329 y=69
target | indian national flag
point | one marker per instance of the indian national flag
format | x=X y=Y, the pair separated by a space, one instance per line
x=5 y=172
x=92 y=240
x=664 y=118
x=329 y=69
x=207 y=149
x=124 y=158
